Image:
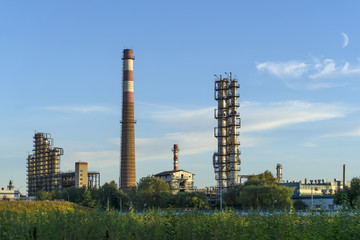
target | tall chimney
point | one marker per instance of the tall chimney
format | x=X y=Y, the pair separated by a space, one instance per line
x=344 y=175
x=278 y=173
x=175 y=151
x=127 y=173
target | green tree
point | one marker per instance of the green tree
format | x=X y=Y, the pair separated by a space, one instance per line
x=109 y=196
x=260 y=191
x=299 y=205
x=151 y=192
x=86 y=199
x=349 y=196
x=42 y=196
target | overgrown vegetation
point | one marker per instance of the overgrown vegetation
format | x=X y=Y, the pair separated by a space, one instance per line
x=259 y=191
x=349 y=197
x=51 y=220
x=150 y=192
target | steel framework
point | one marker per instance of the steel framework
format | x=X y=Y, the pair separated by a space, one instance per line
x=226 y=160
x=43 y=167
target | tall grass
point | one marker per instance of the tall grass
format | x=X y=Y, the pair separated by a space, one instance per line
x=50 y=222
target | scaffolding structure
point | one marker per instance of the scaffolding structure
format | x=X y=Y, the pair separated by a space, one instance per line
x=43 y=166
x=226 y=160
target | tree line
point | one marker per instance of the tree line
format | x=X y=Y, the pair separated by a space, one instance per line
x=150 y=192
x=259 y=191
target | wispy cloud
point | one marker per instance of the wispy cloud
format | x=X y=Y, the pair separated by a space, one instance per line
x=81 y=109
x=266 y=116
x=96 y=160
x=195 y=128
x=311 y=74
x=352 y=133
x=291 y=69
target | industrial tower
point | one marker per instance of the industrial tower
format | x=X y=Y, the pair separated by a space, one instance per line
x=127 y=165
x=43 y=167
x=227 y=160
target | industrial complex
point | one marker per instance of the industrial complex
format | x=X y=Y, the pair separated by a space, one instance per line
x=43 y=165
x=43 y=169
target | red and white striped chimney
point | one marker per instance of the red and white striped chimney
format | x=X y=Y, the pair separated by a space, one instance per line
x=175 y=151
x=127 y=172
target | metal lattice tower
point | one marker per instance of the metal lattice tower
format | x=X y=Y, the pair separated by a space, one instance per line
x=43 y=167
x=227 y=160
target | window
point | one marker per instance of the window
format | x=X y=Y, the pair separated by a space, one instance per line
x=80 y=174
x=331 y=206
x=80 y=170
x=80 y=179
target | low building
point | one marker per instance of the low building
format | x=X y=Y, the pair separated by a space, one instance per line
x=10 y=193
x=316 y=194
x=80 y=177
x=179 y=180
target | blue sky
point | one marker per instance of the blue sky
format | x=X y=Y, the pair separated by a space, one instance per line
x=298 y=64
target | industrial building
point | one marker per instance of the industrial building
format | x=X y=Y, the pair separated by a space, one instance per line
x=80 y=177
x=179 y=180
x=43 y=169
x=316 y=194
x=319 y=193
x=43 y=166
x=127 y=165
x=9 y=193
x=226 y=160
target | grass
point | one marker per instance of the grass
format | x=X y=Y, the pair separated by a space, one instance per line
x=63 y=220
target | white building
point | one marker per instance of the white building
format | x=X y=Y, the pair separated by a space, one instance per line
x=179 y=180
x=10 y=193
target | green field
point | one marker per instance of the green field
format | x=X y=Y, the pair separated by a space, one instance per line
x=63 y=220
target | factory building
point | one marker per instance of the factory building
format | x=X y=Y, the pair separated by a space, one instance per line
x=9 y=193
x=43 y=166
x=316 y=194
x=179 y=180
x=127 y=165
x=80 y=177
x=319 y=193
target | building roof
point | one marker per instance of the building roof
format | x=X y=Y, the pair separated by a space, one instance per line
x=166 y=173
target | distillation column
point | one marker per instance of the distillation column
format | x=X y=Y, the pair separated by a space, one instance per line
x=127 y=171
x=226 y=161
x=233 y=124
x=219 y=158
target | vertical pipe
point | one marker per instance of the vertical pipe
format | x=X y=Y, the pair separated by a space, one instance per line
x=344 y=175
x=222 y=131
x=175 y=151
x=127 y=172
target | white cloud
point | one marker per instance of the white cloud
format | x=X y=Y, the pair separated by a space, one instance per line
x=81 y=109
x=193 y=139
x=96 y=160
x=311 y=74
x=195 y=128
x=353 y=133
x=186 y=119
x=292 y=69
x=257 y=117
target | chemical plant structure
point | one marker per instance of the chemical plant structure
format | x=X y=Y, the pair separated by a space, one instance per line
x=80 y=177
x=43 y=169
x=179 y=180
x=127 y=163
x=316 y=194
x=226 y=160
